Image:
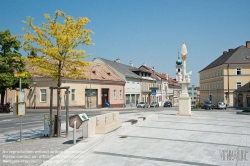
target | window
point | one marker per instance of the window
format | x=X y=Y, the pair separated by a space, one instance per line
x=238 y=85
x=221 y=72
x=238 y=71
x=73 y=94
x=43 y=95
x=138 y=85
x=128 y=85
x=133 y=85
x=114 y=94
x=120 y=94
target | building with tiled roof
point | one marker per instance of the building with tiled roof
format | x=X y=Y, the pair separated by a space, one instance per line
x=128 y=74
x=101 y=84
x=220 y=78
x=167 y=88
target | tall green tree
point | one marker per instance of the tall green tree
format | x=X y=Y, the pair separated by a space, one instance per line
x=57 y=44
x=9 y=45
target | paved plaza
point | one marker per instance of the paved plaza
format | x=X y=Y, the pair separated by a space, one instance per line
x=207 y=138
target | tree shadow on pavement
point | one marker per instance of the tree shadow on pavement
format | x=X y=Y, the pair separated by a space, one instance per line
x=30 y=134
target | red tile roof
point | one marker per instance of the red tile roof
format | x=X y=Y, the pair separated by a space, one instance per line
x=103 y=72
x=172 y=80
x=100 y=72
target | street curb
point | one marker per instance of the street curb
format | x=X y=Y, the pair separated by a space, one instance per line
x=243 y=113
x=69 y=156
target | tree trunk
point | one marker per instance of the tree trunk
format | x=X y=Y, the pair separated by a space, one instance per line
x=2 y=97
x=59 y=117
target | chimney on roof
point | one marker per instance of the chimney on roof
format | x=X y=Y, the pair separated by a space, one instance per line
x=248 y=44
x=224 y=52
x=144 y=64
x=230 y=49
x=118 y=60
x=131 y=63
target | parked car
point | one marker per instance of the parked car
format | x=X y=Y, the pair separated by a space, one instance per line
x=154 y=104
x=221 y=105
x=142 y=105
x=167 y=104
x=208 y=105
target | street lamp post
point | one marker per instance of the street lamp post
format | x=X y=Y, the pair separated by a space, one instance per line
x=90 y=83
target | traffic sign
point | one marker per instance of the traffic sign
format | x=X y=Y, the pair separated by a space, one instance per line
x=153 y=92
x=20 y=74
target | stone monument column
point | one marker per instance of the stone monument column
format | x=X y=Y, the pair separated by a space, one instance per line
x=184 y=99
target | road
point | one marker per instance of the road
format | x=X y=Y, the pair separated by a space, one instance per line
x=35 y=118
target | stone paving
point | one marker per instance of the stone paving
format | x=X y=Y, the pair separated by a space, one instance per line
x=207 y=138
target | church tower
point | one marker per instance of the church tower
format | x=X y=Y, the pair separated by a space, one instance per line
x=178 y=68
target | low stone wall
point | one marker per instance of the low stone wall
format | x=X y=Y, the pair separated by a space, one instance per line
x=97 y=124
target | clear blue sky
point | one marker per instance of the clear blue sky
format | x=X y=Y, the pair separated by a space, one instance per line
x=146 y=31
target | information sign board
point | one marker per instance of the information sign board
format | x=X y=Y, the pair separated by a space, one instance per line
x=21 y=109
x=21 y=97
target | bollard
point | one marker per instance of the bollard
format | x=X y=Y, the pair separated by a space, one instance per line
x=85 y=130
x=74 y=134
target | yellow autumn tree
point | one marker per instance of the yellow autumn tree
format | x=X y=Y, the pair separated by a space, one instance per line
x=56 y=44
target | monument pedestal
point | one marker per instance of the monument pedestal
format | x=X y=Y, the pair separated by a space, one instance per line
x=185 y=106
x=184 y=101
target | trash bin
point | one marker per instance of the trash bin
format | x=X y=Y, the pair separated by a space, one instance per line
x=47 y=125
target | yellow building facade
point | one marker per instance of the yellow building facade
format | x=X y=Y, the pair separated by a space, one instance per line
x=222 y=77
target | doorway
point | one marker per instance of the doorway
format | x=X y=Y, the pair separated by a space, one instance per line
x=240 y=100
x=105 y=97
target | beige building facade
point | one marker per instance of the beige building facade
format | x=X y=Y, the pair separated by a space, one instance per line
x=223 y=76
x=104 y=86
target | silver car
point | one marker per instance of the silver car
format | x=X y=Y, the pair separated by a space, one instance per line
x=142 y=105
x=154 y=104
x=221 y=105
